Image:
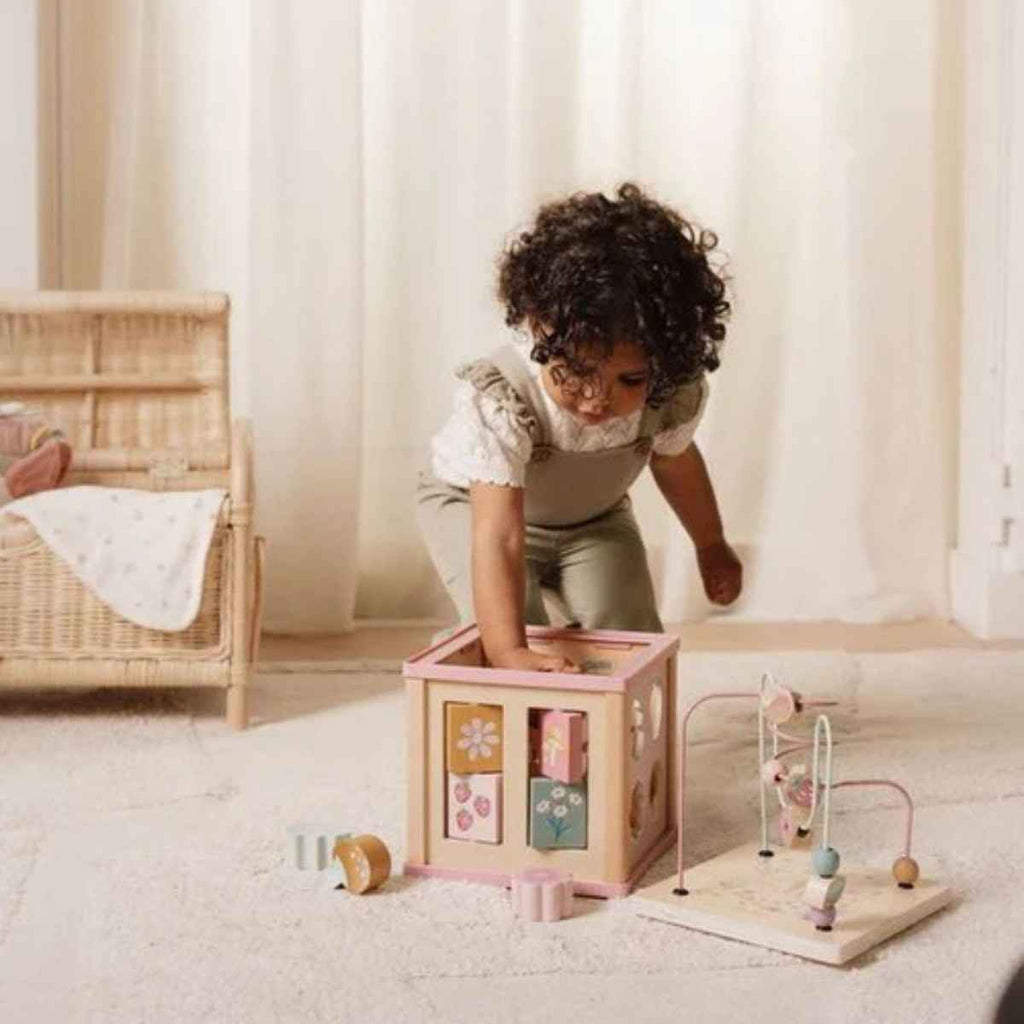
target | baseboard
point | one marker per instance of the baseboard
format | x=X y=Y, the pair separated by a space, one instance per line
x=988 y=604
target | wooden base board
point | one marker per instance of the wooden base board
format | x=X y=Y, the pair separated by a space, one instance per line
x=740 y=895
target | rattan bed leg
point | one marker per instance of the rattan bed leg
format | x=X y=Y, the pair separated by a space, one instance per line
x=238 y=698
x=242 y=552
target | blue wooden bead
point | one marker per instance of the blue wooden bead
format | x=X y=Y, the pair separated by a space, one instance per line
x=825 y=861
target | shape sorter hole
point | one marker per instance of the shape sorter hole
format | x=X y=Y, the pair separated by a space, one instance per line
x=654 y=785
x=636 y=809
x=655 y=708
x=636 y=729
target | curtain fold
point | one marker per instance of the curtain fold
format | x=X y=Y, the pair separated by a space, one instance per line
x=306 y=304
x=350 y=172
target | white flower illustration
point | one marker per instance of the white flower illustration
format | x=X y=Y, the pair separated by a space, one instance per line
x=558 y=792
x=478 y=737
x=553 y=746
x=560 y=811
x=544 y=806
x=575 y=799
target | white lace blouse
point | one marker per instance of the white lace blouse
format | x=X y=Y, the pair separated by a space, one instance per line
x=483 y=442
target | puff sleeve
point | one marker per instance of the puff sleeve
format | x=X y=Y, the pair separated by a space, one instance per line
x=680 y=417
x=488 y=438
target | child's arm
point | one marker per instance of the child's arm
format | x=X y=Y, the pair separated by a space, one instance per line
x=499 y=580
x=683 y=480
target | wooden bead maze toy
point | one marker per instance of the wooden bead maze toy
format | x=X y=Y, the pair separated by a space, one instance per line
x=790 y=895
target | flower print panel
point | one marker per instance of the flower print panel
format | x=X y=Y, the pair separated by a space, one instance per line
x=474 y=807
x=558 y=815
x=474 y=738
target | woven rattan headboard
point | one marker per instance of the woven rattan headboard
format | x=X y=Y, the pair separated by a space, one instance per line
x=138 y=380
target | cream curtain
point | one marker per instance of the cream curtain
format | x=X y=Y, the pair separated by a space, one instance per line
x=350 y=171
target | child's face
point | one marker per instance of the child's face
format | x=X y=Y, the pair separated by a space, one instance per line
x=616 y=386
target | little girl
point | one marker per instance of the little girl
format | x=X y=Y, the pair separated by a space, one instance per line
x=619 y=317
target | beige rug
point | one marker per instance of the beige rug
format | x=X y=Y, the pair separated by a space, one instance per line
x=143 y=870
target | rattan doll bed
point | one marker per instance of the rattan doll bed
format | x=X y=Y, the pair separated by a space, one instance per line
x=139 y=382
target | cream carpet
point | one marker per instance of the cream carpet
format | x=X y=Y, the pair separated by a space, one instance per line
x=144 y=877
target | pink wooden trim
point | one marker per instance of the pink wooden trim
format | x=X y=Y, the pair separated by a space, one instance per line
x=443 y=648
x=601 y=890
x=619 y=636
x=661 y=846
x=427 y=664
x=529 y=680
x=503 y=879
x=580 y=886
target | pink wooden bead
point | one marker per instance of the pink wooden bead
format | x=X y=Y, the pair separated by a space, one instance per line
x=779 y=705
x=540 y=894
x=821 y=918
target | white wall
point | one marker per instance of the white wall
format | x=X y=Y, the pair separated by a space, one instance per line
x=988 y=565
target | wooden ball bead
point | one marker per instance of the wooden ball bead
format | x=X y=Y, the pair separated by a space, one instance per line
x=779 y=705
x=825 y=861
x=905 y=870
x=365 y=861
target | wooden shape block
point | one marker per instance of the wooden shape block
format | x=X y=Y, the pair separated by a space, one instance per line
x=563 y=745
x=822 y=893
x=540 y=894
x=474 y=738
x=474 y=807
x=790 y=831
x=365 y=861
x=739 y=895
x=558 y=815
x=310 y=846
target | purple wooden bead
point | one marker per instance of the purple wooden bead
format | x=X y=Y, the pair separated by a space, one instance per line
x=821 y=918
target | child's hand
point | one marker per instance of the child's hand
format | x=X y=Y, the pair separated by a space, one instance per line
x=524 y=660
x=721 y=571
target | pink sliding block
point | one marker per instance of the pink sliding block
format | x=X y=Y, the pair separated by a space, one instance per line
x=563 y=745
x=474 y=807
x=540 y=894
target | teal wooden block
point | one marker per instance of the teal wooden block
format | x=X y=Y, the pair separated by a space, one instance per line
x=558 y=815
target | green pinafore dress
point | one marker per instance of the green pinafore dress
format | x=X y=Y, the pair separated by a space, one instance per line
x=582 y=540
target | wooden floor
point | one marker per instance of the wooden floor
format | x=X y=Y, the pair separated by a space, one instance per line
x=381 y=642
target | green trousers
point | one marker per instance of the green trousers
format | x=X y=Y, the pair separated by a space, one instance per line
x=598 y=568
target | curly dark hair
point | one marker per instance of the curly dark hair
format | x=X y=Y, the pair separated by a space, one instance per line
x=591 y=271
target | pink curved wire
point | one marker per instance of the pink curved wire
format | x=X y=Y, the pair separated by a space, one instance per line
x=789 y=751
x=893 y=785
x=788 y=736
x=681 y=785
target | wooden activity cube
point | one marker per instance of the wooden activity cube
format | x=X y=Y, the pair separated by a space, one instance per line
x=626 y=692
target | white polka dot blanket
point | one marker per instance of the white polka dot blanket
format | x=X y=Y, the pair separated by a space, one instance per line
x=141 y=552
